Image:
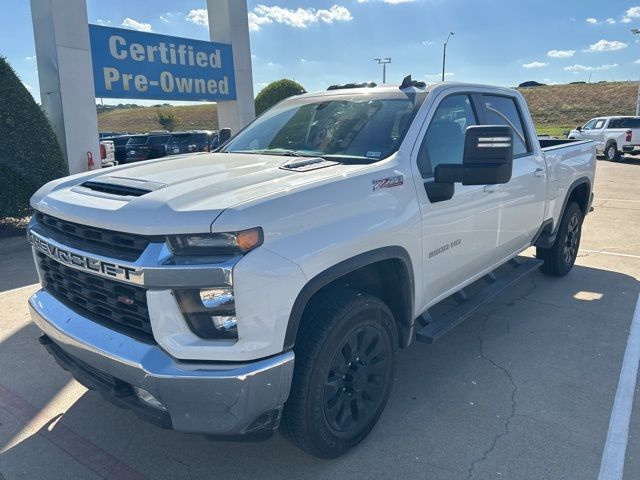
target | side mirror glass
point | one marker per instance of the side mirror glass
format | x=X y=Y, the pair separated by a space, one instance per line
x=488 y=158
x=223 y=135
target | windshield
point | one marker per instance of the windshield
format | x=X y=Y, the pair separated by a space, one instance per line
x=358 y=127
x=179 y=138
x=141 y=140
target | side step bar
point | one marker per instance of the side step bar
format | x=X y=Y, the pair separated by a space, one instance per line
x=436 y=328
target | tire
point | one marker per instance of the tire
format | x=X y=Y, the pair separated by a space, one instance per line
x=345 y=362
x=611 y=153
x=559 y=259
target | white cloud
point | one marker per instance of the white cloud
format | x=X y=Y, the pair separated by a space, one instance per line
x=592 y=21
x=198 y=16
x=637 y=61
x=427 y=43
x=103 y=22
x=164 y=19
x=583 y=68
x=298 y=18
x=32 y=57
x=534 y=65
x=136 y=25
x=392 y=2
x=610 y=21
x=606 y=46
x=626 y=20
x=27 y=86
x=560 y=53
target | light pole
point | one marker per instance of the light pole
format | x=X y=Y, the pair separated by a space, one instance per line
x=444 y=53
x=383 y=62
x=636 y=31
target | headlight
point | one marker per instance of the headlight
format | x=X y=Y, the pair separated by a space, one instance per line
x=210 y=312
x=216 y=243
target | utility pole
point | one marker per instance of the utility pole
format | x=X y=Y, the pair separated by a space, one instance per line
x=383 y=62
x=444 y=54
x=636 y=31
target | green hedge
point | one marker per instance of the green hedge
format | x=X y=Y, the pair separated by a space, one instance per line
x=29 y=152
x=275 y=92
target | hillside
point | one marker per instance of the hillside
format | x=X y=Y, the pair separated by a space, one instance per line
x=554 y=108
x=144 y=119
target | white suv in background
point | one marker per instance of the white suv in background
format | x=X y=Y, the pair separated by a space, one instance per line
x=613 y=136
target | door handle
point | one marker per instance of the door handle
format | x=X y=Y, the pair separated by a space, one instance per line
x=489 y=188
x=539 y=172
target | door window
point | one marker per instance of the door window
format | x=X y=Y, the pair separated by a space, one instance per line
x=589 y=125
x=444 y=141
x=599 y=124
x=504 y=111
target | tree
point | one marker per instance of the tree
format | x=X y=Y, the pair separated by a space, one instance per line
x=168 y=120
x=29 y=152
x=275 y=92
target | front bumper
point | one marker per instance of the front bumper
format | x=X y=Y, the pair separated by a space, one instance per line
x=218 y=399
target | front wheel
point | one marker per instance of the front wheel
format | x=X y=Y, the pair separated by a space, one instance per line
x=345 y=358
x=611 y=153
x=559 y=259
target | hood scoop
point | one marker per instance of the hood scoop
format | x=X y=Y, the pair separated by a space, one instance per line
x=307 y=164
x=120 y=186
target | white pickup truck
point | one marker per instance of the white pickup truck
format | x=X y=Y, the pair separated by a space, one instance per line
x=271 y=283
x=613 y=136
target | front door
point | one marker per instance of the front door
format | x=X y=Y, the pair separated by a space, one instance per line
x=459 y=234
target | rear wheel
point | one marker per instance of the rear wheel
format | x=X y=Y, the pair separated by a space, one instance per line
x=611 y=153
x=559 y=259
x=345 y=359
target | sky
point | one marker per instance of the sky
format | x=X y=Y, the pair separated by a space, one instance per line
x=323 y=42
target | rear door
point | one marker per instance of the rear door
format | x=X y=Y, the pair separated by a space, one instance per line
x=522 y=199
x=459 y=234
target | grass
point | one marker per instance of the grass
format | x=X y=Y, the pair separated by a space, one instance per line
x=145 y=119
x=554 y=130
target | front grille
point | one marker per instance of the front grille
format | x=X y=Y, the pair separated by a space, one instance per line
x=124 y=246
x=113 y=304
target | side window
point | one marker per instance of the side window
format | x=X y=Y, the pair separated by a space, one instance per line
x=504 y=111
x=599 y=124
x=444 y=140
x=589 y=125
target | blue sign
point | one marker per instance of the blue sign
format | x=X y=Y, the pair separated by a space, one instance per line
x=132 y=64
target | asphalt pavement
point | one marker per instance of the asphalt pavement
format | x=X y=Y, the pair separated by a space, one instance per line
x=524 y=389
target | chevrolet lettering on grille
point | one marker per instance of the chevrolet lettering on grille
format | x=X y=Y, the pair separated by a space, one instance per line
x=83 y=262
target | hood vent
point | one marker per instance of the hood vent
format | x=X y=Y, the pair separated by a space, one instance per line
x=306 y=164
x=123 y=187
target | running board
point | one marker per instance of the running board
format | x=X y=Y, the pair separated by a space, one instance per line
x=436 y=328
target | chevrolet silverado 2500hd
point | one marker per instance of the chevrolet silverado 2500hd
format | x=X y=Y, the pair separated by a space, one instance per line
x=271 y=284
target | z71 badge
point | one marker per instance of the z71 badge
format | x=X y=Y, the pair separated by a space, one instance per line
x=388 y=182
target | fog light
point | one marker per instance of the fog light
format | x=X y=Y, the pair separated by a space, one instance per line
x=146 y=397
x=209 y=312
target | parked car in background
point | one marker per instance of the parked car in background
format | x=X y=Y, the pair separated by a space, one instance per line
x=102 y=135
x=120 y=143
x=613 y=136
x=147 y=146
x=107 y=153
x=192 y=141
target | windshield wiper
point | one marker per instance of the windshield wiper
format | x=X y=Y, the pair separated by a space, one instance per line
x=280 y=152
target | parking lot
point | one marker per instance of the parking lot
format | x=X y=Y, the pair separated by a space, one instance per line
x=524 y=389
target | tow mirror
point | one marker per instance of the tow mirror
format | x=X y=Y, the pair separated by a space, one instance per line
x=487 y=159
x=579 y=128
x=223 y=135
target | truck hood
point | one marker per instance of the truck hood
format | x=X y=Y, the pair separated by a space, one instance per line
x=181 y=194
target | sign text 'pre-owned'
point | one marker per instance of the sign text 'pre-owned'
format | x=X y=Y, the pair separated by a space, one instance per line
x=132 y=64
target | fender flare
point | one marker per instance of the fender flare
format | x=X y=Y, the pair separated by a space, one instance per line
x=343 y=268
x=547 y=236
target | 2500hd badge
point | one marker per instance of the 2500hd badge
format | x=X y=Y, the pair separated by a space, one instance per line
x=445 y=247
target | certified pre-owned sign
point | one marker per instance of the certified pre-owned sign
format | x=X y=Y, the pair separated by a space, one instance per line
x=132 y=64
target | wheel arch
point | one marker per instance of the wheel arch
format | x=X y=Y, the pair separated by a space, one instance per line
x=366 y=272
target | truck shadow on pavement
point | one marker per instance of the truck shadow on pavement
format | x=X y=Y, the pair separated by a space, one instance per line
x=523 y=388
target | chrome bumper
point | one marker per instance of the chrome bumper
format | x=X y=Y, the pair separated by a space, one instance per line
x=207 y=398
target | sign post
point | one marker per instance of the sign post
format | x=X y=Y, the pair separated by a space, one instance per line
x=65 y=77
x=229 y=23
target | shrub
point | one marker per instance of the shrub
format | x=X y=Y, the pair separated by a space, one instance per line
x=275 y=92
x=168 y=120
x=29 y=152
